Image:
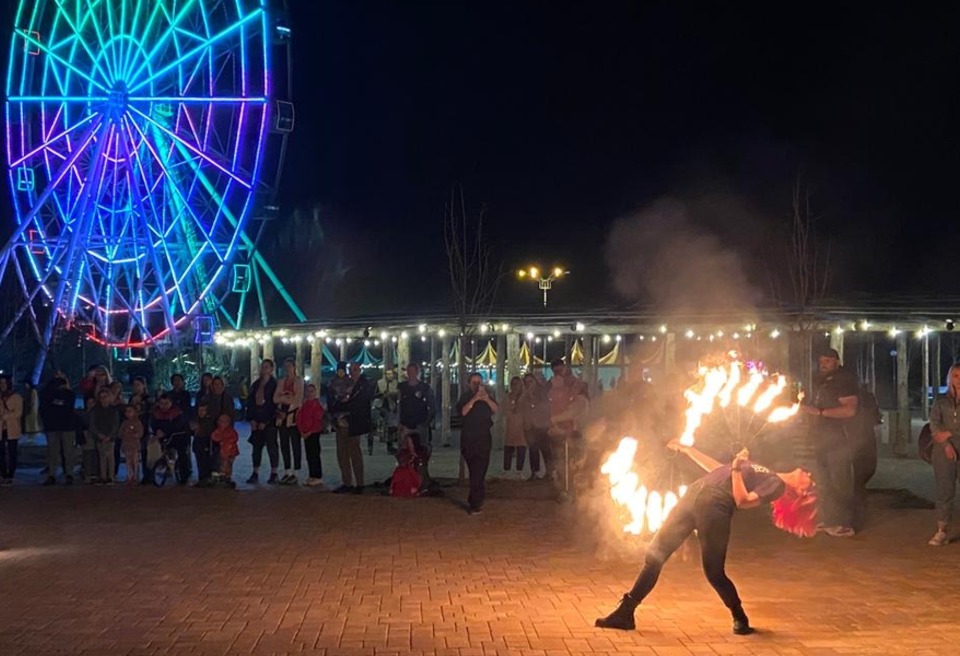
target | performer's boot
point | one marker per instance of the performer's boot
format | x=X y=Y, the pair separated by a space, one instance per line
x=622 y=617
x=741 y=623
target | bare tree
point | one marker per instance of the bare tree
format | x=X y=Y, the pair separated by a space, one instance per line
x=808 y=271
x=474 y=276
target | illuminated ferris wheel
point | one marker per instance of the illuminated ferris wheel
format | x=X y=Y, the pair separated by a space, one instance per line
x=142 y=136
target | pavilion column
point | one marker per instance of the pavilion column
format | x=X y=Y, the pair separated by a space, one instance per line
x=872 y=365
x=836 y=342
x=500 y=419
x=937 y=372
x=254 y=360
x=670 y=354
x=300 y=355
x=568 y=349
x=925 y=367
x=388 y=362
x=403 y=352
x=590 y=364
x=433 y=362
x=316 y=361
x=903 y=398
x=268 y=349
x=446 y=404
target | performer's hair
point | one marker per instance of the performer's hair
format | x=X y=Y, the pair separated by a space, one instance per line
x=796 y=514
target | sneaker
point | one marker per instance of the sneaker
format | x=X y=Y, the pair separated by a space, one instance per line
x=68 y=480
x=254 y=479
x=273 y=480
x=939 y=539
x=109 y=481
x=314 y=482
x=50 y=481
x=357 y=489
x=621 y=618
x=289 y=479
x=475 y=511
x=840 y=531
x=343 y=489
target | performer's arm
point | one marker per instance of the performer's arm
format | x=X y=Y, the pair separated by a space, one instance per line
x=702 y=459
x=743 y=498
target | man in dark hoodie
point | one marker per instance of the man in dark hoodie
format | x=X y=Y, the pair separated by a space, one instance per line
x=358 y=422
x=262 y=414
x=60 y=424
x=169 y=423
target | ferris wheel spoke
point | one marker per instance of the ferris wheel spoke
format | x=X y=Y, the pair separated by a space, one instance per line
x=98 y=30
x=83 y=44
x=50 y=53
x=193 y=52
x=52 y=140
x=164 y=39
x=157 y=7
x=196 y=151
x=177 y=192
x=203 y=100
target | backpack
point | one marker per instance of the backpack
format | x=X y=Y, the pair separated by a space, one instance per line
x=405 y=482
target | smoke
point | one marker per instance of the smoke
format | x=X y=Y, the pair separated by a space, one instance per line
x=679 y=256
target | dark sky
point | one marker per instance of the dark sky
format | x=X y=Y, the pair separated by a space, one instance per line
x=560 y=117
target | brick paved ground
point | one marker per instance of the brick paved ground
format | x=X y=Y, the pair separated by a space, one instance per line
x=104 y=571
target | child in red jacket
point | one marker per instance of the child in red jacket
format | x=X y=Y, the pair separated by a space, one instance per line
x=226 y=436
x=310 y=423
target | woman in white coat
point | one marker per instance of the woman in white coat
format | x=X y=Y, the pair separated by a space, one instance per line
x=11 y=411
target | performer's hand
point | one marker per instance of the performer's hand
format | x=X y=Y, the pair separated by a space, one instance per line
x=942 y=436
x=743 y=456
x=951 y=452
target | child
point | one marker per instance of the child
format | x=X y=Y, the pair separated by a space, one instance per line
x=406 y=481
x=225 y=435
x=131 y=430
x=310 y=424
x=104 y=424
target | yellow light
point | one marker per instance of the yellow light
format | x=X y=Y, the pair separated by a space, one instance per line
x=534 y=272
x=521 y=273
x=557 y=271
x=663 y=330
x=774 y=333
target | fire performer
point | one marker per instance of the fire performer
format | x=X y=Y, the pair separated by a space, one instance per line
x=708 y=508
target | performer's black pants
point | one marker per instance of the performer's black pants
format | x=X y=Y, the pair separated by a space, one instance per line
x=835 y=479
x=708 y=510
x=290 y=441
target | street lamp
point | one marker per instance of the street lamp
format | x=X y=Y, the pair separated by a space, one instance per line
x=545 y=281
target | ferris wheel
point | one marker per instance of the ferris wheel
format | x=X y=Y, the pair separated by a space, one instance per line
x=141 y=139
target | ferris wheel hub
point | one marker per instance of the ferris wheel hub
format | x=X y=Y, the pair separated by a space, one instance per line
x=118 y=100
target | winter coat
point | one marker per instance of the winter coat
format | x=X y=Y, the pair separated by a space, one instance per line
x=11 y=410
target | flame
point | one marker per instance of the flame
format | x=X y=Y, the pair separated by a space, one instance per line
x=718 y=386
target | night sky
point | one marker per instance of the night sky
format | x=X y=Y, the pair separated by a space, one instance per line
x=561 y=117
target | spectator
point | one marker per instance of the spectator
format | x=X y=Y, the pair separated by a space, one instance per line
x=210 y=406
x=95 y=378
x=288 y=397
x=180 y=396
x=11 y=412
x=350 y=428
x=118 y=405
x=310 y=425
x=261 y=413
x=570 y=450
x=226 y=438
x=477 y=407
x=140 y=399
x=104 y=429
x=88 y=445
x=170 y=426
x=205 y=381
x=562 y=392
x=60 y=425
x=388 y=393
x=834 y=403
x=515 y=443
x=338 y=390
x=31 y=409
x=131 y=430
x=536 y=423
x=945 y=428
x=416 y=411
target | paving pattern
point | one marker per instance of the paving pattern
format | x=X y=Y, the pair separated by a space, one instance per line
x=106 y=571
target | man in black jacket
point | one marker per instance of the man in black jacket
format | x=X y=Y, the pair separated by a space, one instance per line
x=60 y=425
x=262 y=414
x=359 y=422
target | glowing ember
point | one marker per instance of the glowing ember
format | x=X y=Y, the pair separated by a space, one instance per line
x=718 y=386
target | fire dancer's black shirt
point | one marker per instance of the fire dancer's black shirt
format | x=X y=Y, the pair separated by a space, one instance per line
x=756 y=478
x=477 y=423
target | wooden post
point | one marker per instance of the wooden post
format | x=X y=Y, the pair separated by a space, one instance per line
x=446 y=404
x=903 y=398
x=836 y=342
x=500 y=419
x=403 y=353
x=590 y=368
x=316 y=361
x=388 y=362
x=299 y=357
x=513 y=355
x=254 y=360
x=872 y=364
x=937 y=372
x=433 y=362
x=925 y=367
x=268 y=350
x=670 y=354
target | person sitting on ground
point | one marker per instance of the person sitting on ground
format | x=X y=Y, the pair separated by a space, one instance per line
x=131 y=430
x=405 y=481
x=708 y=508
x=226 y=438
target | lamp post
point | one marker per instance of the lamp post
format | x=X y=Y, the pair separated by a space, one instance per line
x=546 y=282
